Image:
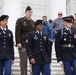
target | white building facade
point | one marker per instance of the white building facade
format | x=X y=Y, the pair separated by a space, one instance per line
x=71 y=7
x=49 y=8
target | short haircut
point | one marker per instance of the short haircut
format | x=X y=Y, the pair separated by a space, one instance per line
x=44 y=16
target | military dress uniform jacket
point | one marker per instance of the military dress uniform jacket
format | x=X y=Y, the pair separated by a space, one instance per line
x=6 y=44
x=38 y=47
x=65 y=45
x=23 y=26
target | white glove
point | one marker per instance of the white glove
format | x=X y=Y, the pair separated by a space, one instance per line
x=60 y=62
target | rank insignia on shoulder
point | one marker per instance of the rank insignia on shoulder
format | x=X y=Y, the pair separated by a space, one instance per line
x=35 y=37
x=24 y=17
x=74 y=35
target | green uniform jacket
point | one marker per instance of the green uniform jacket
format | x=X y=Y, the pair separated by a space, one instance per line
x=23 y=26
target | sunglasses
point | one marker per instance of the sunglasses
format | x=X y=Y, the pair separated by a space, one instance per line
x=59 y=14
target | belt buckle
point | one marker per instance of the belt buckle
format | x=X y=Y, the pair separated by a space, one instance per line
x=69 y=45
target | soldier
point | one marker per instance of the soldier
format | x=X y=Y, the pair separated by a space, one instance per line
x=23 y=26
x=6 y=47
x=65 y=42
x=38 y=51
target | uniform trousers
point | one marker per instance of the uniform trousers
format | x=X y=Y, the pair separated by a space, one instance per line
x=44 y=69
x=70 y=67
x=23 y=60
x=5 y=66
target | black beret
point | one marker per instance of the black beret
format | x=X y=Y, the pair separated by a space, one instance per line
x=28 y=8
x=4 y=17
x=67 y=19
x=38 y=22
x=50 y=20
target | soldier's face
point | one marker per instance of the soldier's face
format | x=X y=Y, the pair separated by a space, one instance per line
x=39 y=27
x=28 y=13
x=4 y=23
x=68 y=25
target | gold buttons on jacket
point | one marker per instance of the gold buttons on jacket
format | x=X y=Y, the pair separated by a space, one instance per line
x=40 y=49
x=4 y=42
x=4 y=46
x=40 y=45
x=4 y=36
x=4 y=39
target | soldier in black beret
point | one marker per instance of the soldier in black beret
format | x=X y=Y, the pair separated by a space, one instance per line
x=4 y=17
x=65 y=46
x=38 y=50
x=50 y=20
x=6 y=47
x=23 y=26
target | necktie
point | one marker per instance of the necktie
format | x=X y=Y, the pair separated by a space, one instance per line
x=69 y=32
x=39 y=33
x=3 y=31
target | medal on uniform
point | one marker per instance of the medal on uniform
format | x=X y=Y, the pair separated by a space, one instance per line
x=74 y=35
x=9 y=35
x=24 y=17
x=35 y=37
x=24 y=23
x=44 y=38
x=64 y=39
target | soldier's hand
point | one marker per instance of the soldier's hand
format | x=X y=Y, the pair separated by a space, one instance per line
x=55 y=32
x=60 y=62
x=19 y=45
x=32 y=61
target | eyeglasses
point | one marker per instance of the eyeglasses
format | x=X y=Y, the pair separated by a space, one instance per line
x=59 y=14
